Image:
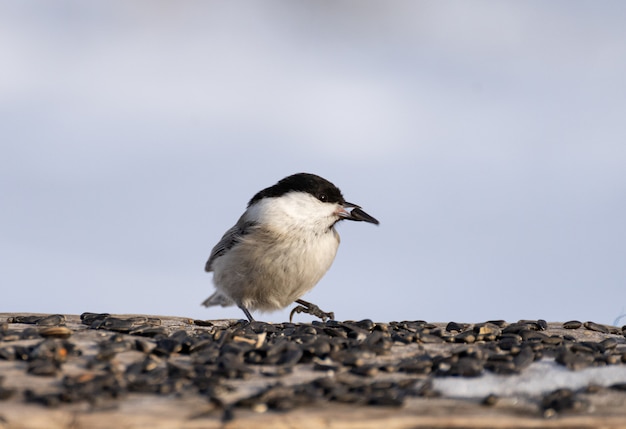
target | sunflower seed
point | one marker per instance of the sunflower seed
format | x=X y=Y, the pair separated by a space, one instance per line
x=596 y=327
x=55 y=332
x=572 y=324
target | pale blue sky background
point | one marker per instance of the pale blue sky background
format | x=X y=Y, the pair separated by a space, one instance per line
x=489 y=138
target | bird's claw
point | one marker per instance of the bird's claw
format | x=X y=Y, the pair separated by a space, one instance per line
x=311 y=309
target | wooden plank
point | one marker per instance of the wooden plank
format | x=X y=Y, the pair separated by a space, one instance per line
x=188 y=408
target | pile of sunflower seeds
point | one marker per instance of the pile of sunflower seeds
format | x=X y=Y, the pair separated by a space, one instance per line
x=262 y=366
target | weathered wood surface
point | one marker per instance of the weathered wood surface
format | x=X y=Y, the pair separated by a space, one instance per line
x=24 y=403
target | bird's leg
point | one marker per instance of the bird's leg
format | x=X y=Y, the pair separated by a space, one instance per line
x=247 y=313
x=312 y=309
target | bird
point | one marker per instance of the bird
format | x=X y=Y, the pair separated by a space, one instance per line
x=281 y=247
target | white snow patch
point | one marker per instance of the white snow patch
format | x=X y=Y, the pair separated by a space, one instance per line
x=540 y=377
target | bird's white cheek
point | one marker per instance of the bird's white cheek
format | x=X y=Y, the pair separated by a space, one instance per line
x=295 y=212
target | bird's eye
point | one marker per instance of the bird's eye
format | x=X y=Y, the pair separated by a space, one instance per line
x=322 y=197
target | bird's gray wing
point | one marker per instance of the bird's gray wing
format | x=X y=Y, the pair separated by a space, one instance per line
x=230 y=238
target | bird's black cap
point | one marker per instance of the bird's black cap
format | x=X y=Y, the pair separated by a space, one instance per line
x=315 y=185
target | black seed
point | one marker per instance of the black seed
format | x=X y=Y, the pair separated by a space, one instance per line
x=10 y=336
x=437 y=332
x=466 y=367
x=114 y=324
x=317 y=346
x=289 y=356
x=471 y=351
x=29 y=320
x=22 y=352
x=524 y=358
x=356 y=333
x=109 y=349
x=326 y=365
x=498 y=323
x=456 y=327
x=515 y=328
x=609 y=343
x=538 y=325
x=572 y=324
x=308 y=331
x=377 y=342
x=365 y=370
x=154 y=321
x=255 y=356
x=233 y=348
x=387 y=399
x=426 y=390
x=511 y=337
x=260 y=327
x=523 y=325
x=418 y=365
x=332 y=324
x=596 y=327
x=465 y=337
x=276 y=371
x=553 y=340
x=335 y=332
x=574 y=360
x=149 y=331
x=367 y=324
x=199 y=343
x=561 y=400
x=403 y=337
x=530 y=335
x=53 y=350
x=501 y=366
x=232 y=367
x=52 y=320
x=612 y=359
x=150 y=363
x=528 y=324
x=429 y=339
x=185 y=340
x=584 y=347
x=347 y=357
x=90 y=318
x=207 y=355
x=7 y=353
x=178 y=370
x=55 y=332
x=487 y=331
x=500 y=357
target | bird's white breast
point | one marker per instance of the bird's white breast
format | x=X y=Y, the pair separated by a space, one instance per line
x=288 y=251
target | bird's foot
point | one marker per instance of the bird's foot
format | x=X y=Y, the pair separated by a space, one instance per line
x=312 y=309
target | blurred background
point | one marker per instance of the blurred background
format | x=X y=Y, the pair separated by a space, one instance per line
x=489 y=138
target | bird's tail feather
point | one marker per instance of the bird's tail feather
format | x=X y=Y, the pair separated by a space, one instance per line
x=218 y=299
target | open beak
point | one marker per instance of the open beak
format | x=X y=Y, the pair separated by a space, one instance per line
x=356 y=214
